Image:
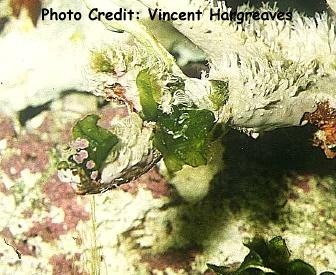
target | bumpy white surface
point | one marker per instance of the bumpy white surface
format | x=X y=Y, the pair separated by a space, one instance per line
x=332 y=4
x=128 y=224
x=37 y=64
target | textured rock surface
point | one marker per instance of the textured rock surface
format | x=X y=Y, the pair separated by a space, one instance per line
x=145 y=227
x=275 y=185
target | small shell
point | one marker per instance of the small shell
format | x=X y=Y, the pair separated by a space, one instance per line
x=90 y=164
x=80 y=143
x=80 y=156
x=94 y=175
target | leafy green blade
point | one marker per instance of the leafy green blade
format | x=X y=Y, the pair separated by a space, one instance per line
x=149 y=93
x=182 y=137
x=299 y=267
x=278 y=254
x=258 y=245
x=101 y=141
x=219 y=269
x=274 y=253
x=219 y=93
x=268 y=257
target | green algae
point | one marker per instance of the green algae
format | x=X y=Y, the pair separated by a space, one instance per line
x=182 y=137
x=149 y=90
x=219 y=93
x=101 y=141
x=267 y=257
x=101 y=62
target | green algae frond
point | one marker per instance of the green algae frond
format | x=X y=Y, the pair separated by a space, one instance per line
x=101 y=141
x=182 y=134
x=268 y=257
x=219 y=93
x=149 y=93
x=101 y=62
x=182 y=137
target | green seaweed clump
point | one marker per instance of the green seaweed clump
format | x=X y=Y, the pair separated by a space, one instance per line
x=100 y=140
x=219 y=93
x=149 y=94
x=88 y=152
x=268 y=257
x=101 y=62
x=182 y=135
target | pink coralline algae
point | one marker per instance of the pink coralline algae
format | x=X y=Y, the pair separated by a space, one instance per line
x=109 y=113
x=152 y=181
x=32 y=154
x=47 y=230
x=62 y=265
x=7 y=128
x=21 y=246
x=63 y=196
